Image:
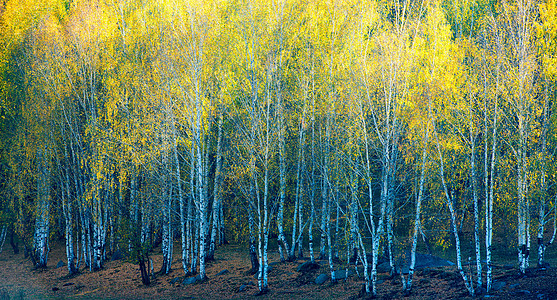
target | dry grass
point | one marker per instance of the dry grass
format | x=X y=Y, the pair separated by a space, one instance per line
x=121 y=280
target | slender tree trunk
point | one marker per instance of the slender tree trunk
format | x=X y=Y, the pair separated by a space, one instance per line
x=190 y=223
x=324 y=219
x=301 y=226
x=134 y=206
x=390 y=212
x=97 y=224
x=282 y=182
x=489 y=209
x=417 y=220
x=3 y=234
x=376 y=231
x=183 y=222
x=42 y=226
x=70 y=253
x=337 y=224
x=216 y=194
x=283 y=243
x=365 y=262
x=297 y=219
x=252 y=249
x=83 y=229
x=264 y=229
x=554 y=224
x=167 y=239
x=181 y=199
x=519 y=32
x=222 y=234
x=489 y=178
x=296 y=210
x=327 y=195
x=354 y=246
x=523 y=224
x=67 y=211
x=476 y=211
x=448 y=199
x=313 y=186
x=543 y=186
x=195 y=241
x=146 y=212
x=202 y=214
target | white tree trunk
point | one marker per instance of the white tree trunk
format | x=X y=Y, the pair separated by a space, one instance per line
x=181 y=198
x=313 y=163
x=417 y=220
x=67 y=210
x=191 y=219
x=297 y=218
x=354 y=243
x=216 y=193
x=202 y=215
x=489 y=180
x=543 y=185
x=42 y=223
x=476 y=211
x=283 y=244
x=449 y=201
x=167 y=238
x=2 y=237
x=324 y=215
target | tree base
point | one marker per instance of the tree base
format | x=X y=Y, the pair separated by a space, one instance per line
x=262 y=292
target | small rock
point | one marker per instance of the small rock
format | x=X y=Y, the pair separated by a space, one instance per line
x=384 y=267
x=242 y=288
x=497 y=285
x=190 y=280
x=54 y=289
x=223 y=272
x=380 y=281
x=321 y=279
x=307 y=266
x=251 y=283
x=68 y=284
x=60 y=264
x=522 y=292
x=422 y=261
x=341 y=274
x=540 y=296
x=173 y=281
x=274 y=263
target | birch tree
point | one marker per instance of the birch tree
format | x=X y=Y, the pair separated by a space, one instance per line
x=518 y=18
x=547 y=48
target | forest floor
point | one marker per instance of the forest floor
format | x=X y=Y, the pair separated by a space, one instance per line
x=120 y=279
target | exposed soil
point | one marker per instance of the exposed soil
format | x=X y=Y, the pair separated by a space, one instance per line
x=121 y=280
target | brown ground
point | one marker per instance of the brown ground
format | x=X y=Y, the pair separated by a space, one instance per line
x=121 y=280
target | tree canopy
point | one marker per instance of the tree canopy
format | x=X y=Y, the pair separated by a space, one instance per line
x=133 y=124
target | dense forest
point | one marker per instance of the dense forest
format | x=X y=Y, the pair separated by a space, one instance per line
x=339 y=130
